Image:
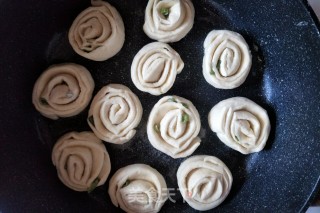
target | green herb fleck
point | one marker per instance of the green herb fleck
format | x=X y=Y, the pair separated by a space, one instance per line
x=236 y=138
x=172 y=100
x=125 y=184
x=212 y=72
x=166 y=49
x=43 y=101
x=185 y=118
x=157 y=127
x=93 y=185
x=165 y=12
x=91 y=120
x=185 y=105
x=218 y=65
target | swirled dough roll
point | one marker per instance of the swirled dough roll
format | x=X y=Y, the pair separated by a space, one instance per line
x=63 y=90
x=204 y=181
x=138 y=188
x=114 y=114
x=155 y=67
x=81 y=160
x=240 y=124
x=168 y=20
x=98 y=32
x=227 y=59
x=173 y=127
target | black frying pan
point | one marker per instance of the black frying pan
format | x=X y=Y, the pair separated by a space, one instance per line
x=283 y=177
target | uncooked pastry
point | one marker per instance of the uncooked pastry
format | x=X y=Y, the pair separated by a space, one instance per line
x=227 y=59
x=240 y=124
x=81 y=160
x=168 y=20
x=63 y=90
x=204 y=181
x=98 y=32
x=155 y=67
x=173 y=127
x=138 y=188
x=114 y=114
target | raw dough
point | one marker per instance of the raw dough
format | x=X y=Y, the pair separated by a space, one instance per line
x=173 y=127
x=138 y=188
x=82 y=161
x=63 y=90
x=240 y=124
x=227 y=59
x=98 y=32
x=168 y=20
x=114 y=114
x=155 y=67
x=204 y=181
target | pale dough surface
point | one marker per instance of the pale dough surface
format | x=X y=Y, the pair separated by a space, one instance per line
x=81 y=159
x=138 y=188
x=172 y=28
x=240 y=124
x=227 y=59
x=167 y=128
x=114 y=114
x=155 y=67
x=204 y=181
x=63 y=90
x=98 y=32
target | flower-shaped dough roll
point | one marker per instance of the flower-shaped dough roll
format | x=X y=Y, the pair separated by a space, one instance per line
x=240 y=124
x=204 y=181
x=98 y=32
x=114 y=113
x=63 y=90
x=81 y=160
x=168 y=20
x=227 y=59
x=155 y=67
x=173 y=127
x=138 y=188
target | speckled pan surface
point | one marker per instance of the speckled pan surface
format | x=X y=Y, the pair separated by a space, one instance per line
x=285 y=44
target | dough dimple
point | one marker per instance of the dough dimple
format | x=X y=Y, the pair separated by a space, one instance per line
x=204 y=181
x=81 y=160
x=114 y=114
x=138 y=188
x=173 y=127
x=168 y=21
x=155 y=67
x=227 y=59
x=98 y=32
x=63 y=90
x=240 y=124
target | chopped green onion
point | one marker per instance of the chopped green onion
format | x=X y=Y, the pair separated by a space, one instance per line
x=172 y=100
x=218 y=65
x=125 y=184
x=165 y=12
x=236 y=138
x=43 y=101
x=185 y=105
x=212 y=72
x=93 y=185
x=157 y=127
x=91 y=120
x=185 y=118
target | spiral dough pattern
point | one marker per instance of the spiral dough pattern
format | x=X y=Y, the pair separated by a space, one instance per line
x=155 y=67
x=240 y=124
x=173 y=127
x=138 y=188
x=204 y=181
x=114 y=113
x=168 y=20
x=63 y=90
x=98 y=32
x=81 y=160
x=227 y=59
